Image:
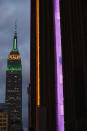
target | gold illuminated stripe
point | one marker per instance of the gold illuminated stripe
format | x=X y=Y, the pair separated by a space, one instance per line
x=14 y=57
x=37 y=56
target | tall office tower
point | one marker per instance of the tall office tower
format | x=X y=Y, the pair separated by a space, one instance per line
x=43 y=102
x=32 y=87
x=14 y=85
x=46 y=66
x=74 y=45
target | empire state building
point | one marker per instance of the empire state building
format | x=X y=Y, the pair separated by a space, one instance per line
x=14 y=86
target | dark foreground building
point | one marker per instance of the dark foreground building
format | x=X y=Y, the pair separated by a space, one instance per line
x=32 y=86
x=47 y=109
x=74 y=55
x=47 y=67
x=14 y=86
x=74 y=46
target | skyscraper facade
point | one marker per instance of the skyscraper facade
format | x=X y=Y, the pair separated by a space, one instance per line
x=14 y=85
x=4 y=117
x=47 y=66
x=42 y=82
x=74 y=46
x=32 y=90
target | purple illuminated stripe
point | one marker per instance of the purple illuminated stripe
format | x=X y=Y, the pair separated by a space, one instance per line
x=59 y=89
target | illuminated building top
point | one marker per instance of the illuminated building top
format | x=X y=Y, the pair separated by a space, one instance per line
x=15 y=39
x=14 y=86
x=14 y=59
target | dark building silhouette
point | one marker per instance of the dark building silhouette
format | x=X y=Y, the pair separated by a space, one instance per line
x=74 y=45
x=32 y=87
x=47 y=66
x=47 y=109
x=29 y=107
x=4 y=117
x=14 y=85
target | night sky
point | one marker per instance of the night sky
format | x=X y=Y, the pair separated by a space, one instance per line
x=18 y=11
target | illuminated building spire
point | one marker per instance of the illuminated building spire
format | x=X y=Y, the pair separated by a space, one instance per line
x=15 y=39
x=14 y=85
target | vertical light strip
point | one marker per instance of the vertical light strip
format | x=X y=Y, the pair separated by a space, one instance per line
x=37 y=56
x=37 y=67
x=59 y=90
x=15 y=44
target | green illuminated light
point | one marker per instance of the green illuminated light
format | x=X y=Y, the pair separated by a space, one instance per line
x=15 y=49
x=15 y=40
x=15 y=45
x=14 y=68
